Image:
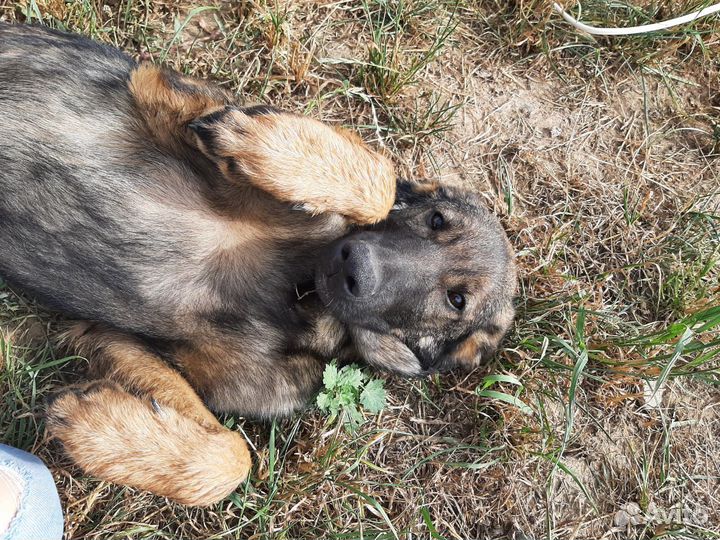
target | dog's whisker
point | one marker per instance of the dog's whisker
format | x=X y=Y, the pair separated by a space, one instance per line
x=303 y=295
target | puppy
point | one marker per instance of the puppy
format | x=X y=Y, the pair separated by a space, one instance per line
x=217 y=256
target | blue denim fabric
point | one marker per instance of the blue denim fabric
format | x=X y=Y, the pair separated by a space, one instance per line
x=40 y=514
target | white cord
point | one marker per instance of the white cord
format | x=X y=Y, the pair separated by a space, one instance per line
x=635 y=29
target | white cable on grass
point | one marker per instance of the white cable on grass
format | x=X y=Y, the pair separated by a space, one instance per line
x=635 y=29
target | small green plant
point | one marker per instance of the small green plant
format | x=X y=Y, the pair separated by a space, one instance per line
x=346 y=391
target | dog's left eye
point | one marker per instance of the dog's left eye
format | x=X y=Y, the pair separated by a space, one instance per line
x=456 y=299
x=437 y=221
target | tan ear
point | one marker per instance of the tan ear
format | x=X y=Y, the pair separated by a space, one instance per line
x=481 y=344
x=386 y=352
x=299 y=160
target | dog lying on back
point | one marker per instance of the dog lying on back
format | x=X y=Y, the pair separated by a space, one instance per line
x=218 y=257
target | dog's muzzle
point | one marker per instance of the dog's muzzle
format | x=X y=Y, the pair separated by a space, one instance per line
x=359 y=268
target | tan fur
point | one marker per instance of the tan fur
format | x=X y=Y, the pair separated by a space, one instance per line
x=173 y=447
x=187 y=237
x=326 y=334
x=470 y=352
x=303 y=161
x=122 y=359
x=114 y=435
x=167 y=109
x=426 y=187
x=294 y=158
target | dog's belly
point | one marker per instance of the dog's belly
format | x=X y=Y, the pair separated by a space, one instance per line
x=94 y=220
x=96 y=253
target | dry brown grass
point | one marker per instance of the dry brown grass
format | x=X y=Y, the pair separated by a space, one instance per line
x=602 y=159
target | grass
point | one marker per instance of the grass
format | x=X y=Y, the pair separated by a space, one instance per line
x=601 y=158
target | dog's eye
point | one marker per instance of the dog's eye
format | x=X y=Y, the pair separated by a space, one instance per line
x=456 y=300
x=437 y=221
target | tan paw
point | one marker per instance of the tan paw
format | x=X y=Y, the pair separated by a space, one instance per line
x=299 y=160
x=118 y=437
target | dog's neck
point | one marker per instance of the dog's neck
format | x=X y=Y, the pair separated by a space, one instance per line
x=323 y=335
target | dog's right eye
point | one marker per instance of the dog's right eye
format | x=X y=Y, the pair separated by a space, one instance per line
x=437 y=221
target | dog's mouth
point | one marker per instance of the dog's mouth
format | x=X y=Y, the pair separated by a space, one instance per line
x=331 y=288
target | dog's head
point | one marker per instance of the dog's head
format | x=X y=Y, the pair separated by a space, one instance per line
x=426 y=290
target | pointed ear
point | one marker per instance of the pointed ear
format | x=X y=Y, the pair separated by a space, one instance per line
x=386 y=352
x=298 y=160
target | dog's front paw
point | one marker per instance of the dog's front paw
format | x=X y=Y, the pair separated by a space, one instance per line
x=118 y=437
x=299 y=160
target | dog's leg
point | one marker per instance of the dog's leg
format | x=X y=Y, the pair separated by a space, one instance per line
x=262 y=385
x=294 y=158
x=142 y=425
x=299 y=160
x=169 y=101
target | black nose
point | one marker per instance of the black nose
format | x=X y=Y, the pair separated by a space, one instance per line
x=359 y=267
